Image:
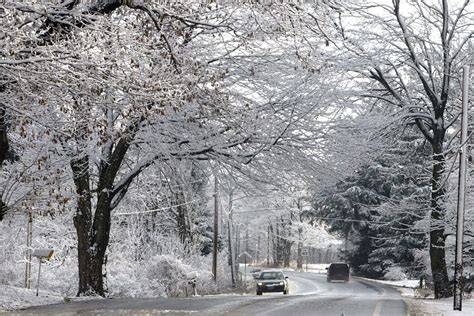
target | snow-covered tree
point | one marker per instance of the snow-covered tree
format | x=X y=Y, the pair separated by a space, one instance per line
x=407 y=55
x=121 y=86
x=382 y=206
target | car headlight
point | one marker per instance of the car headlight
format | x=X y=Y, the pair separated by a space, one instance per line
x=282 y=283
x=259 y=283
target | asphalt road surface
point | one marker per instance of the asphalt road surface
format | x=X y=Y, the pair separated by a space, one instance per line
x=310 y=294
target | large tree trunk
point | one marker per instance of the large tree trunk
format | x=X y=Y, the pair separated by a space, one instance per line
x=437 y=235
x=83 y=225
x=91 y=278
x=92 y=230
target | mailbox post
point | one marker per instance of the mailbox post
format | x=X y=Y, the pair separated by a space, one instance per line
x=41 y=254
x=191 y=280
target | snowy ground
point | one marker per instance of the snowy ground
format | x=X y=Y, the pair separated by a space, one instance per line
x=429 y=306
x=432 y=307
x=12 y=298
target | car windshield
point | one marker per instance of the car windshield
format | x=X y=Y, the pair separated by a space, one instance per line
x=271 y=275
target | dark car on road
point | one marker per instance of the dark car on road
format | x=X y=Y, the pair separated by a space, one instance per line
x=338 y=271
x=272 y=281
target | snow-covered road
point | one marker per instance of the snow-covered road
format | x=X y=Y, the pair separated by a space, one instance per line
x=309 y=295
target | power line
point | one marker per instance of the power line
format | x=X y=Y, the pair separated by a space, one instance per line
x=161 y=209
x=318 y=217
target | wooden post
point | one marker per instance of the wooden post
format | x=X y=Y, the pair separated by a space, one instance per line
x=216 y=231
x=257 y=250
x=268 y=245
x=247 y=240
x=29 y=238
x=237 y=249
x=458 y=277
x=39 y=275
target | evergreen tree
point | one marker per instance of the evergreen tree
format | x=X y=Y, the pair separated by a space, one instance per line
x=377 y=209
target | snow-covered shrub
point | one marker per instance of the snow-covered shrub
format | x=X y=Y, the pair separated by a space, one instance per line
x=165 y=274
x=205 y=281
x=12 y=250
x=395 y=273
x=422 y=264
x=59 y=275
x=8 y=275
x=123 y=277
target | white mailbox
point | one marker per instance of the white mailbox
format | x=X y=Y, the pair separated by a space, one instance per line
x=41 y=254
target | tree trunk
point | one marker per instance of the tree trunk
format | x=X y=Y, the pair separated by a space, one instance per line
x=3 y=210
x=286 y=253
x=274 y=244
x=299 y=259
x=4 y=147
x=92 y=232
x=91 y=278
x=287 y=243
x=93 y=239
x=437 y=235
x=278 y=262
x=181 y=217
x=231 y=259
x=83 y=224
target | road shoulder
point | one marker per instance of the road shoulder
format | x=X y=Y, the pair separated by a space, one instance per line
x=430 y=306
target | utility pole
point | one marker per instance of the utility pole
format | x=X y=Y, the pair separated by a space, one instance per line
x=247 y=239
x=29 y=238
x=268 y=246
x=216 y=227
x=458 y=273
x=257 y=248
x=229 y=236
x=237 y=249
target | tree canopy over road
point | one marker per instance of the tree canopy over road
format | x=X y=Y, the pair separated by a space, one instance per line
x=335 y=119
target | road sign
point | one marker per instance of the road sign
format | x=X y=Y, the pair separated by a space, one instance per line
x=245 y=257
